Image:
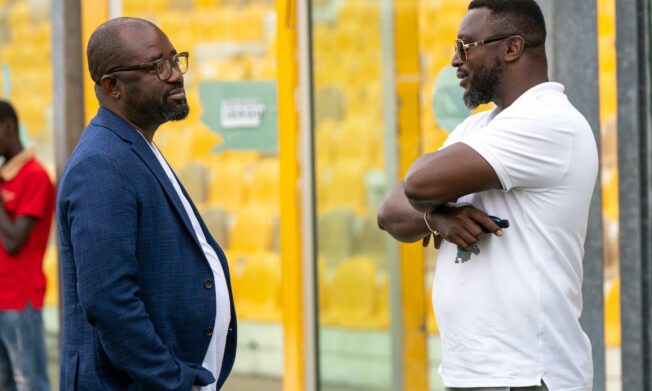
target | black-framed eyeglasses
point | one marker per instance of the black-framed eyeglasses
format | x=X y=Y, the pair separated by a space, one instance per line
x=461 y=47
x=163 y=66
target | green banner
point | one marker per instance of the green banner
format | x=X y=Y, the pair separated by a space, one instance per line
x=244 y=113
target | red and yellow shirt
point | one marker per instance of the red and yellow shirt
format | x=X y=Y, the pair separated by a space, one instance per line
x=26 y=190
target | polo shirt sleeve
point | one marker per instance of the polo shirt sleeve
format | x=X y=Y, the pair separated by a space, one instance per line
x=525 y=151
x=36 y=195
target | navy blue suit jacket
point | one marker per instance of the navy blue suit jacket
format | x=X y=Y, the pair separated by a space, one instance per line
x=138 y=311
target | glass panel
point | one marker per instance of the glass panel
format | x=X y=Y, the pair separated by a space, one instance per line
x=226 y=155
x=26 y=82
x=354 y=326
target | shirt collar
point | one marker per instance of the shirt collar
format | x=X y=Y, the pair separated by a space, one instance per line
x=11 y=168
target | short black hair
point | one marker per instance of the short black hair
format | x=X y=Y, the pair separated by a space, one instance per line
x=7 y=112
x=106 y=47
x=522 y=17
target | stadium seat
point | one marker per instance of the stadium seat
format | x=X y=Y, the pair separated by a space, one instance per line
x=216 y=220
x=194 y=178
x=260 y=288
x=230 y=171
x=345 y=187
x=382 y=311
x=252 y=230
x=335 y=234
x=264 y=187
x=352 y=295
x=370 y=241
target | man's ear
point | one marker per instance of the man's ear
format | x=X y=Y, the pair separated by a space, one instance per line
x=514 y=48
x=109 y=85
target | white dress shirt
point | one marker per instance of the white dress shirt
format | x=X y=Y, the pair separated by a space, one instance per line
x=217 y=345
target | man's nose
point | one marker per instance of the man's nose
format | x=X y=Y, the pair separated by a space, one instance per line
x=175 y=75
x=456 y=61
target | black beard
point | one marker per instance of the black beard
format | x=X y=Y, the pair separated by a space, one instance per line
x=152 y=116
x=175 y=111
x=483 y=86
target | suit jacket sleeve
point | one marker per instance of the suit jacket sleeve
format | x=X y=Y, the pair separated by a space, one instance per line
x=102 y=214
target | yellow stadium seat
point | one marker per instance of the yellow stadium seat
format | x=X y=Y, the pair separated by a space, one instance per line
x=205 y=4
x=194 y=178
x=322 y=285
x=175 y=143
x=370 y=240
x=344 y=186
x=20 y=14
x=382 y=312
x=230 y=172
x=216 y=220
x=236 y=261
x=51 y=270
x=252 y=230
x=264 y=187
x=363 y=149
x=203 y=141
x=325 y=140
x=331 y=105
x=612 y=328
x=260 y=288
x=352 y=295
x=251 y=23
x=335 y=234
x=264 y=68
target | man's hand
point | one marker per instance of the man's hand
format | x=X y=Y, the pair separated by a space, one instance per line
x=461 y=224
x=436 y=243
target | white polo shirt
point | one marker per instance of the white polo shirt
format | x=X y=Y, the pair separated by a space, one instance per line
x=217 y=345
x=509 y=316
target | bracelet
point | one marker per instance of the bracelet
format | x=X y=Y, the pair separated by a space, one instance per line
x=434 y=231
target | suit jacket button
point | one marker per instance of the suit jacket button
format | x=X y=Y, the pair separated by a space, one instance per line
x=208 y=284
x=208 y=331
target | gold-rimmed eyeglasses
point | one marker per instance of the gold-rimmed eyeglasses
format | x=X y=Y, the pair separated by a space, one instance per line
x=163 y=66
x=461 y=47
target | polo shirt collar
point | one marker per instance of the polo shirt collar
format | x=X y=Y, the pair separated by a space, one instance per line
x=546 y=86
x=11 y=168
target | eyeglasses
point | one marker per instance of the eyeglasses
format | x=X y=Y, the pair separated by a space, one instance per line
x=163 y=66
x=461 y=47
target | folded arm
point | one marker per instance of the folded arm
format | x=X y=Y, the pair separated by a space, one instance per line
x=446 y=175
x=399 y=218
x=432 y=183
x=14 y=234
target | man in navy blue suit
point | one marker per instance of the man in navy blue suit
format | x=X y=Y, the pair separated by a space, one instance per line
x=147 y=301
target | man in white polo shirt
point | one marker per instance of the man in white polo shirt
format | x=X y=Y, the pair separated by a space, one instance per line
x=507 y=303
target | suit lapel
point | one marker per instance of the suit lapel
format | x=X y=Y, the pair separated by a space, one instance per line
x=139 y=145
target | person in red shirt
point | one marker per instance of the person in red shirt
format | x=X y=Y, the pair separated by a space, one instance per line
x=27 y=198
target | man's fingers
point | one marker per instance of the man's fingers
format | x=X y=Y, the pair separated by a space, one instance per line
x=462 y=240
x=488 y=224
x=426 y=241
x=438 y=241
x=474 y=229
